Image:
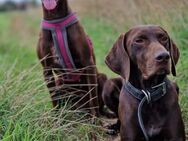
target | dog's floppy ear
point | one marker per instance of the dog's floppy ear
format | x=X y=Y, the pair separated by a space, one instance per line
x=118 y=59
x=174 y=54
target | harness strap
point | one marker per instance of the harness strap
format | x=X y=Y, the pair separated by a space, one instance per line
x=59 y=34
x=149 y=95
x=140 y=119
x=58 y=29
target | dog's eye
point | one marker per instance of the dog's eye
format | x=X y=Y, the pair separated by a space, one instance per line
x=139 y=40
x=163 y=37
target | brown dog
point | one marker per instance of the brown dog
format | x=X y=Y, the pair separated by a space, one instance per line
x=148 y=102
x=80 y=77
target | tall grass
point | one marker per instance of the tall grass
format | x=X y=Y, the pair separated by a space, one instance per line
x=25 y=108
x=26 y=112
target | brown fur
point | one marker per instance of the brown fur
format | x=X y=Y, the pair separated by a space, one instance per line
x=144 y=56
x=85 y=91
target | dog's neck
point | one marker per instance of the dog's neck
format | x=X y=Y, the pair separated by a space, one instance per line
x=62 y=10
x=137 y=80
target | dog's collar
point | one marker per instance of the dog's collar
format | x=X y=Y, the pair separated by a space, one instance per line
x=151 y=94
x=62 y=22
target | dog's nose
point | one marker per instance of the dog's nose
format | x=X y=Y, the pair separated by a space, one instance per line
x=161 y=57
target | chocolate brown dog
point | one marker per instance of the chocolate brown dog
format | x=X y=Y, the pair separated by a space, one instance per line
x=67 y=57
x=148 y=102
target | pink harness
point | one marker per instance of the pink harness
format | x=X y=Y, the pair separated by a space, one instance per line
x=58 y=30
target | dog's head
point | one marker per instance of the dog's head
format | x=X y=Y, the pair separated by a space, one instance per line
x=147 y=47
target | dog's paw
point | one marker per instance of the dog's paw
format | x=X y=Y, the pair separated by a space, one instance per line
x=110 y=131
x=113 y=129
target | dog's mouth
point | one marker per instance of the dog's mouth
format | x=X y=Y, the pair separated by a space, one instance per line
x=162 y=71
x=158 y=70
x=50 y=4
x=163 y=68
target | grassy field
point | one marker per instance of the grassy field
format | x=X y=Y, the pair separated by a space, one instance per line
x=25 y=107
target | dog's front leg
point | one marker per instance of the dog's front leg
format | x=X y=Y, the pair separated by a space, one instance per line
x=46 y=58
x=92 y=89
x=55 y=93
x=50 y=82
x=175 y=131
x=129 y=128
x=129 y=134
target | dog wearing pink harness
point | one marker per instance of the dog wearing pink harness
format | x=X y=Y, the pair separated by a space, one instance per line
x=67 y=57
x=58 y=30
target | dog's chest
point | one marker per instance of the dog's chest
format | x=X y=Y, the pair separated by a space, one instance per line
x=154 y=118
x=57 y=58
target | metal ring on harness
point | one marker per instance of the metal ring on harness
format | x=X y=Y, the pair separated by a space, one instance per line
x=147 y=95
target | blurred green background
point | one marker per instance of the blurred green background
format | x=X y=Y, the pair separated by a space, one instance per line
x=25 y=108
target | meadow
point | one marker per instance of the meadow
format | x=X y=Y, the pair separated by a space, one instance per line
x=25 y=109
